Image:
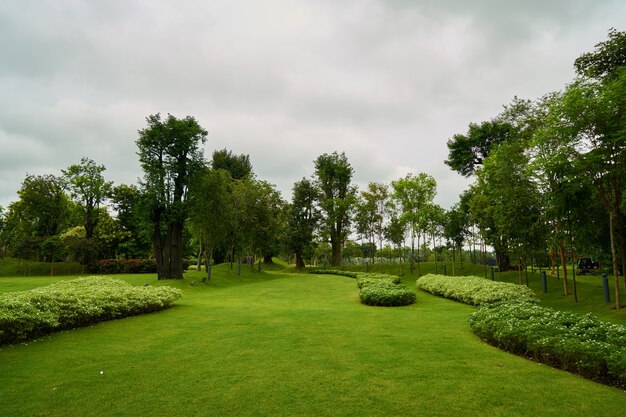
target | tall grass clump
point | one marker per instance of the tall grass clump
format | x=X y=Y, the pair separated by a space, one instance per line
x=67 y=304
x=474 y=290
x=581 y=344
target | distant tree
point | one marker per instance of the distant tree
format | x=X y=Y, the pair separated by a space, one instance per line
x=413 y=194
x=516 y=214
x=455 y=230
x=238 y=166
x=211 y=210
x=89 y=189
x=43 y=210
x=303 y=220
x=257 y=210
x=131 y=217
x=333 y=175
x=170 y=156
x=372 y=209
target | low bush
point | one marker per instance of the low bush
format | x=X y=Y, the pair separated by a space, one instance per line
x=474 y=290
x=579 y=344
x=68 y=304
x=386 y=294
x=122 y=266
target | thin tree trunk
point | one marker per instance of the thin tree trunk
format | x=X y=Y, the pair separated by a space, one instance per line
x=614 y=256
x=564 y=266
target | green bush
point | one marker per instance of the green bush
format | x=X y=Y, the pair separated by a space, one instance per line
x=68 y=304
x=474 y=290
x=122 y=266
x=579 y=344
x=386 y=294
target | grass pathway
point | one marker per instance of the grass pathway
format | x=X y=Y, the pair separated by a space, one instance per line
x=280 y=344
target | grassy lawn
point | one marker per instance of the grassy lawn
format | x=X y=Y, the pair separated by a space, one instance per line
x=284 y=344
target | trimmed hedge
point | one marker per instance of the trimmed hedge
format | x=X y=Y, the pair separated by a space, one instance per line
x=474 y=290
x=386 y=294
x=67 y=304
x=580 y=344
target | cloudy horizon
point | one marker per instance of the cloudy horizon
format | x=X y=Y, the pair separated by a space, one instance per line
x=386 y=82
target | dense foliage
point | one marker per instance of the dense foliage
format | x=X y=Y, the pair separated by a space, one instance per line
x=474 y=290
x=67 y=304
x=580 y=344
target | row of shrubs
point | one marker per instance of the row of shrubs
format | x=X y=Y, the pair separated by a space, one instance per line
x=580 y=344
x=377 y=289
x=474 y=290
x=122 y=266
x=67 y=304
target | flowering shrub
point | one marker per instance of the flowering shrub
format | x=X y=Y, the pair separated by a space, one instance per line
x=68 y=304
x=474 y=290
x=122 y=266
x=580 y=344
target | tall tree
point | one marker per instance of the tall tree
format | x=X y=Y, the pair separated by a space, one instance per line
x=170 y=156
x=303 y=220
x=333 y=176
x=89 y=189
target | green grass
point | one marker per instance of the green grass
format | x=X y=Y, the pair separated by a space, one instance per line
x=284 y=344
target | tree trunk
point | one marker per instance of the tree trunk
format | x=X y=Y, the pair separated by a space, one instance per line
x=564 y=266
x=299 y=261
x=614 y=256
x=620 y=233
x=267 y=259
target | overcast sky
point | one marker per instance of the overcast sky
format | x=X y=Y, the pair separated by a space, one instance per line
x=386 y=82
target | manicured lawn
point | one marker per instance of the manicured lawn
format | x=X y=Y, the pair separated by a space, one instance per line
x=284 y=344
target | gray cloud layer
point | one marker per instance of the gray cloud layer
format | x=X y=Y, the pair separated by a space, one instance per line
x=388 y=82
